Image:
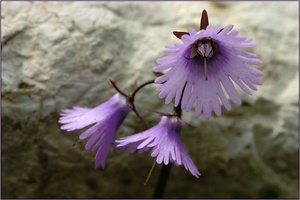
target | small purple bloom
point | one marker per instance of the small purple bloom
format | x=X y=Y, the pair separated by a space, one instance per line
x=106 y=117
x=207 y=61
x=165 y=141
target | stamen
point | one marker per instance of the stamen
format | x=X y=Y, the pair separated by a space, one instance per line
x=206 y=49
x=205 y=69
x=145 y=183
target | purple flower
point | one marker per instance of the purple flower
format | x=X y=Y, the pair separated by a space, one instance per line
x=207 y=61
x=106 y=117
x=164 y=139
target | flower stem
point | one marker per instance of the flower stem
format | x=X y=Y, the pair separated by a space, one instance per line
x=116 y=88
x=132 y=95
x=133 y=92
x=165 y=171
x=162 y=182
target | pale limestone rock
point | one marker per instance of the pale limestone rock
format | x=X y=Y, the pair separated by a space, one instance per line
x=59 y=54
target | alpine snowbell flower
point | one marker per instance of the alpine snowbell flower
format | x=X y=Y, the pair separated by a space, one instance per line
x=205 y=62
x=106 y=117
x=165 y=141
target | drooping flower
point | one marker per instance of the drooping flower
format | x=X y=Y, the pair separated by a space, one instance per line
x=205 y=62
x=106 y=117
x=165 y=141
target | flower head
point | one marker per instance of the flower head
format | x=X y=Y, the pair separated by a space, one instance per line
x=106 y=117
x=205 y=62
x=165 y=141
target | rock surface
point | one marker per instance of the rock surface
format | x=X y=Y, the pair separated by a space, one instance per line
x=59 y=54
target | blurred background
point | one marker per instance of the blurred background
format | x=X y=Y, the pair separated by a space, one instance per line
x=59 y=54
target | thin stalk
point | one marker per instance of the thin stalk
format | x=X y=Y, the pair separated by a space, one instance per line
x=132 y=93
x=162 y=182
x=166 y=169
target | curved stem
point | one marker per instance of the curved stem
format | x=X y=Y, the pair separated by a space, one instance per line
x=132 y=93
x=116 y=88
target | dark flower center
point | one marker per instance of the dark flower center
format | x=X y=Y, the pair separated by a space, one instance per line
x=204 y=48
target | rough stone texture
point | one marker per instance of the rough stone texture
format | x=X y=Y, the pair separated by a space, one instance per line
x=57 y=54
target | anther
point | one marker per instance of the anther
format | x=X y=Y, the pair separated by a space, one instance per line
x=205 y=50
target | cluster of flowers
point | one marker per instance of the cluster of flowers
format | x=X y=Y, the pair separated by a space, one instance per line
x=197 y=70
